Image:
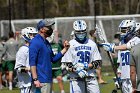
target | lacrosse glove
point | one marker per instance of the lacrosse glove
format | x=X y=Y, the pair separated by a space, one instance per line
x=109 y=47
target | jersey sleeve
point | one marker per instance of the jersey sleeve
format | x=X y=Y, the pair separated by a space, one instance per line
x=67 y=57
x=96 y=55
x=21 y=57
x=119 y=57
x=133 y=42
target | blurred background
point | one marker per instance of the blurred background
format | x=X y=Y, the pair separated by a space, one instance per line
x=18 y=14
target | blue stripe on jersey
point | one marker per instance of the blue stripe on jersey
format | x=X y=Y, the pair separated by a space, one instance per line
x=72 y=87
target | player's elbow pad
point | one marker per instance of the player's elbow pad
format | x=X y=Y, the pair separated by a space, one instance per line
x=96 y=64
x=21 y=69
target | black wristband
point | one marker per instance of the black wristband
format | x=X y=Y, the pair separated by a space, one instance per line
x=35 y=79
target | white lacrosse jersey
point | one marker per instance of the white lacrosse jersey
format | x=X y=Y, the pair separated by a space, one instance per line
x=78 y=52
x=134 y=41
x=124 y=60
x=22 y=59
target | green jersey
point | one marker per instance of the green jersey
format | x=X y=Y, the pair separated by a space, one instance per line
x=56 y=48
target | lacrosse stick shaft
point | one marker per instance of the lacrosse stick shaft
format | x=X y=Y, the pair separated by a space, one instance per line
x=103 y=40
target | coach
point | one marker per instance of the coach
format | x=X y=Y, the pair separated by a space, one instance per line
x=135 y=68
x=41 y=56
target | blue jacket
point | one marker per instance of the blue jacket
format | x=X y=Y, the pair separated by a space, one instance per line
x=41 y=56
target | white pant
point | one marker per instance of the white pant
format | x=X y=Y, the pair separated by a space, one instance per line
x=26 y=90
x=79 y=86
x=126 y=86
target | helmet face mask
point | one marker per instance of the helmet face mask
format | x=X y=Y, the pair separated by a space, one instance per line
x=80 y=33
x=124 y=29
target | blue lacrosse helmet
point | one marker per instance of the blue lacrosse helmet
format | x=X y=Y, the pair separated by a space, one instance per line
x=80 y=32
x=127 y=29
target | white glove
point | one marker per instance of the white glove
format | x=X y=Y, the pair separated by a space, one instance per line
x=63 y=66
x=81 y=65
x=82 y=73
x=109 y=47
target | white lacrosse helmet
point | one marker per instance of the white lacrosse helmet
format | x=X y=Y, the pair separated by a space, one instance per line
x=137 y=30
x=27 y=31
x=72 y=35
x=79 y=25
x=32 y=30
x=127 y=26
x=137 y=26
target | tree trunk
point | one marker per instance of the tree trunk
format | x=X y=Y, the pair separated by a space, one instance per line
x=110 y=6
x=101 y=8
x=126 y=6
x=71 y=7
x=91 y=7
x=138 y=7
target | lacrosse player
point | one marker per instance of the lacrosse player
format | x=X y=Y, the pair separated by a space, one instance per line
x=129 y=33
x=22 y=61
x=84 y=56
x=129 y=39
x=124 y=55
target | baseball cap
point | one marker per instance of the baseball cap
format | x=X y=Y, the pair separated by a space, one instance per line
x=44 y=23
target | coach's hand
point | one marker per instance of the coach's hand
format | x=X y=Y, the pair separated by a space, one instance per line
x=66 y=44
x=66 y=47
x=109 y=47
x=82 y=73
x=37 y=83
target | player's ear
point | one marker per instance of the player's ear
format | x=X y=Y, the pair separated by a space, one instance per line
x=41 y=30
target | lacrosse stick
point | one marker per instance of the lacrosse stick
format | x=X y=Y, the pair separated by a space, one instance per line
x=102 y=39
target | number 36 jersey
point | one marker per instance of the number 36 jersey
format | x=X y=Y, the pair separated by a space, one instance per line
x=78 y=52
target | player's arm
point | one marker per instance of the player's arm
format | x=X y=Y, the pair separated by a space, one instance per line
x=111 y=46
x=133 y=76
x=120 y=47
x=95 y=64
x=21 y=60
x=23 y=69
x=133 y=69
x=96 y=60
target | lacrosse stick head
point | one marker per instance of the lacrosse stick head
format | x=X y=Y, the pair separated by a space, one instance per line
x=99 y=34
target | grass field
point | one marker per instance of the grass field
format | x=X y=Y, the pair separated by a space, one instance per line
x=105 y=88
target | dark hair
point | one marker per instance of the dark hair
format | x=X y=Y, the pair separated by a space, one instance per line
x=11 y=34
x=4 y=38
x=117 y=36
x=91 y=32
